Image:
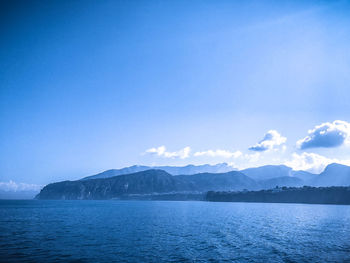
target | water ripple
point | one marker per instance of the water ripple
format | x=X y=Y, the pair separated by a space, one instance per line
x=123 y=231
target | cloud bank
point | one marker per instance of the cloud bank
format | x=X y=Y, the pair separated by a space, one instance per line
x=326 y=135
x=162 y=152
x=186 y=153
x=12 y=186
x=312 y=162
x=272 y=139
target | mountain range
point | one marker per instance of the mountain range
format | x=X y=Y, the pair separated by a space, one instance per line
x=173 y=170
x=141 y=180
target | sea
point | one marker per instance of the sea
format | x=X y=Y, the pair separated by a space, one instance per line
x=172 y=231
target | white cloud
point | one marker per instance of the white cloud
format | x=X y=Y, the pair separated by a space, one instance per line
x=312 y=162
x=161 y=151
x=252 y=158
x=232 y=164
x=327 y=135
x=14 y=187
x=185 y=153
x=219 y=153
x=272 y=139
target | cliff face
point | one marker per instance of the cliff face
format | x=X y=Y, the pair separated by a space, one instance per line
x=138 y=183
x=145 y=183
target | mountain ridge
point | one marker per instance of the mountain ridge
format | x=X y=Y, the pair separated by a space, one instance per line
x=155 y=181
x=144 y=182
x=174 y=170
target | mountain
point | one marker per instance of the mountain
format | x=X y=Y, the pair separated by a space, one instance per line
x=174 y=170
x=146 y=183
x=257 y=173
x=307 y=177
x=196 y=169
x=275 y=171
x=116 y=172
x=156 y=182
x=333 y=175
x=267 y=172
x=233 y=180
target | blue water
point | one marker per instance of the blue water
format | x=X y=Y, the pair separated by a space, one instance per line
x=159 y=231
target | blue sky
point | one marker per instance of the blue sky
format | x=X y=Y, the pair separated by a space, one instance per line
x=87 y=86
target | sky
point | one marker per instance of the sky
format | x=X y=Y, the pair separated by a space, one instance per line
x=87 y=86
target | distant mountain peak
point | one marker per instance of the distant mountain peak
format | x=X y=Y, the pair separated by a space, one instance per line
x=334 y=174
x=268 y=172
x=335 y=165
x=173 y=170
